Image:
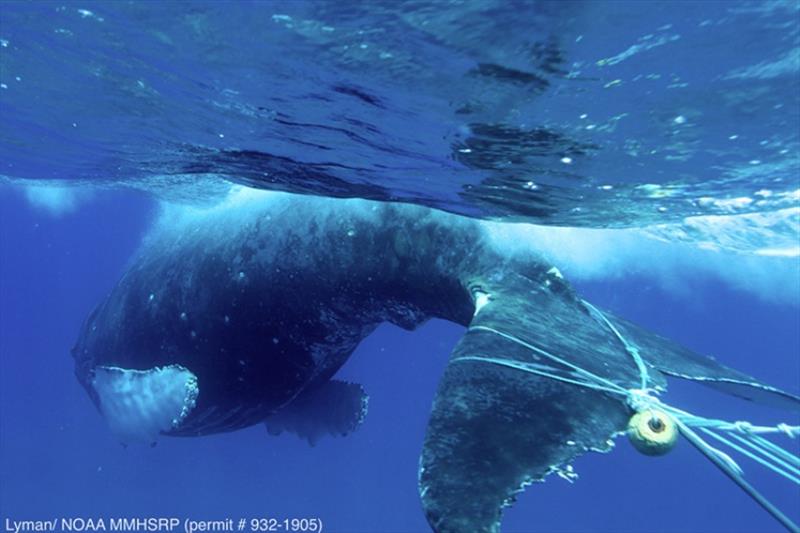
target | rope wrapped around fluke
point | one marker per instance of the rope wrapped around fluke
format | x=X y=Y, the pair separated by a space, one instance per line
x=655 y=425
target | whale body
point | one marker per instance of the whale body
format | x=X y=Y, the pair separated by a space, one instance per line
x=242 y=314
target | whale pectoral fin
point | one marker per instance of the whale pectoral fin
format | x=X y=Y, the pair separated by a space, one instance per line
x=139 y=405
x=495 y=427
x=674 y=360
x=334 y=408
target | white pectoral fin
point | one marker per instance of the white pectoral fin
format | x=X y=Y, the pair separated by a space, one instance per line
x=141 y=404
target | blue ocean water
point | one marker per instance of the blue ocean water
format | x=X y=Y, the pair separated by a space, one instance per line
x=690 y=142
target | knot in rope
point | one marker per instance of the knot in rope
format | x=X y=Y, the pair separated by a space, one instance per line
x=642 y=399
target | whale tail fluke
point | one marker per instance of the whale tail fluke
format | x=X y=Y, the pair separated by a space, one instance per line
x=540 y=378
x=672 y=359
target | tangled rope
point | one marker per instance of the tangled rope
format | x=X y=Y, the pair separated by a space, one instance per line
x=740 y=436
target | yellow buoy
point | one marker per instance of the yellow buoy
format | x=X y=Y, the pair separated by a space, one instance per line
x=652 y=432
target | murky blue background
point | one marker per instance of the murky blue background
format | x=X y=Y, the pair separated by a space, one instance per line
x=623 y=114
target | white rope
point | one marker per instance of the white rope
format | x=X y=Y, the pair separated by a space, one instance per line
x=777 y=450
x=519 y=365
x=769 y=454
x=536 y=349
x=787 y=470
x=630 y=348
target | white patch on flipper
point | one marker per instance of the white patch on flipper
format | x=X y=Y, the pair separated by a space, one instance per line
x=141 y=404
x=481 y=299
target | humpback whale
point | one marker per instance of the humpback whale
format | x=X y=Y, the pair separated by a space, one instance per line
x=242 y=314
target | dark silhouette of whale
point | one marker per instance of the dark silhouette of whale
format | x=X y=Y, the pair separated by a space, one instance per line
x=242 y=314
